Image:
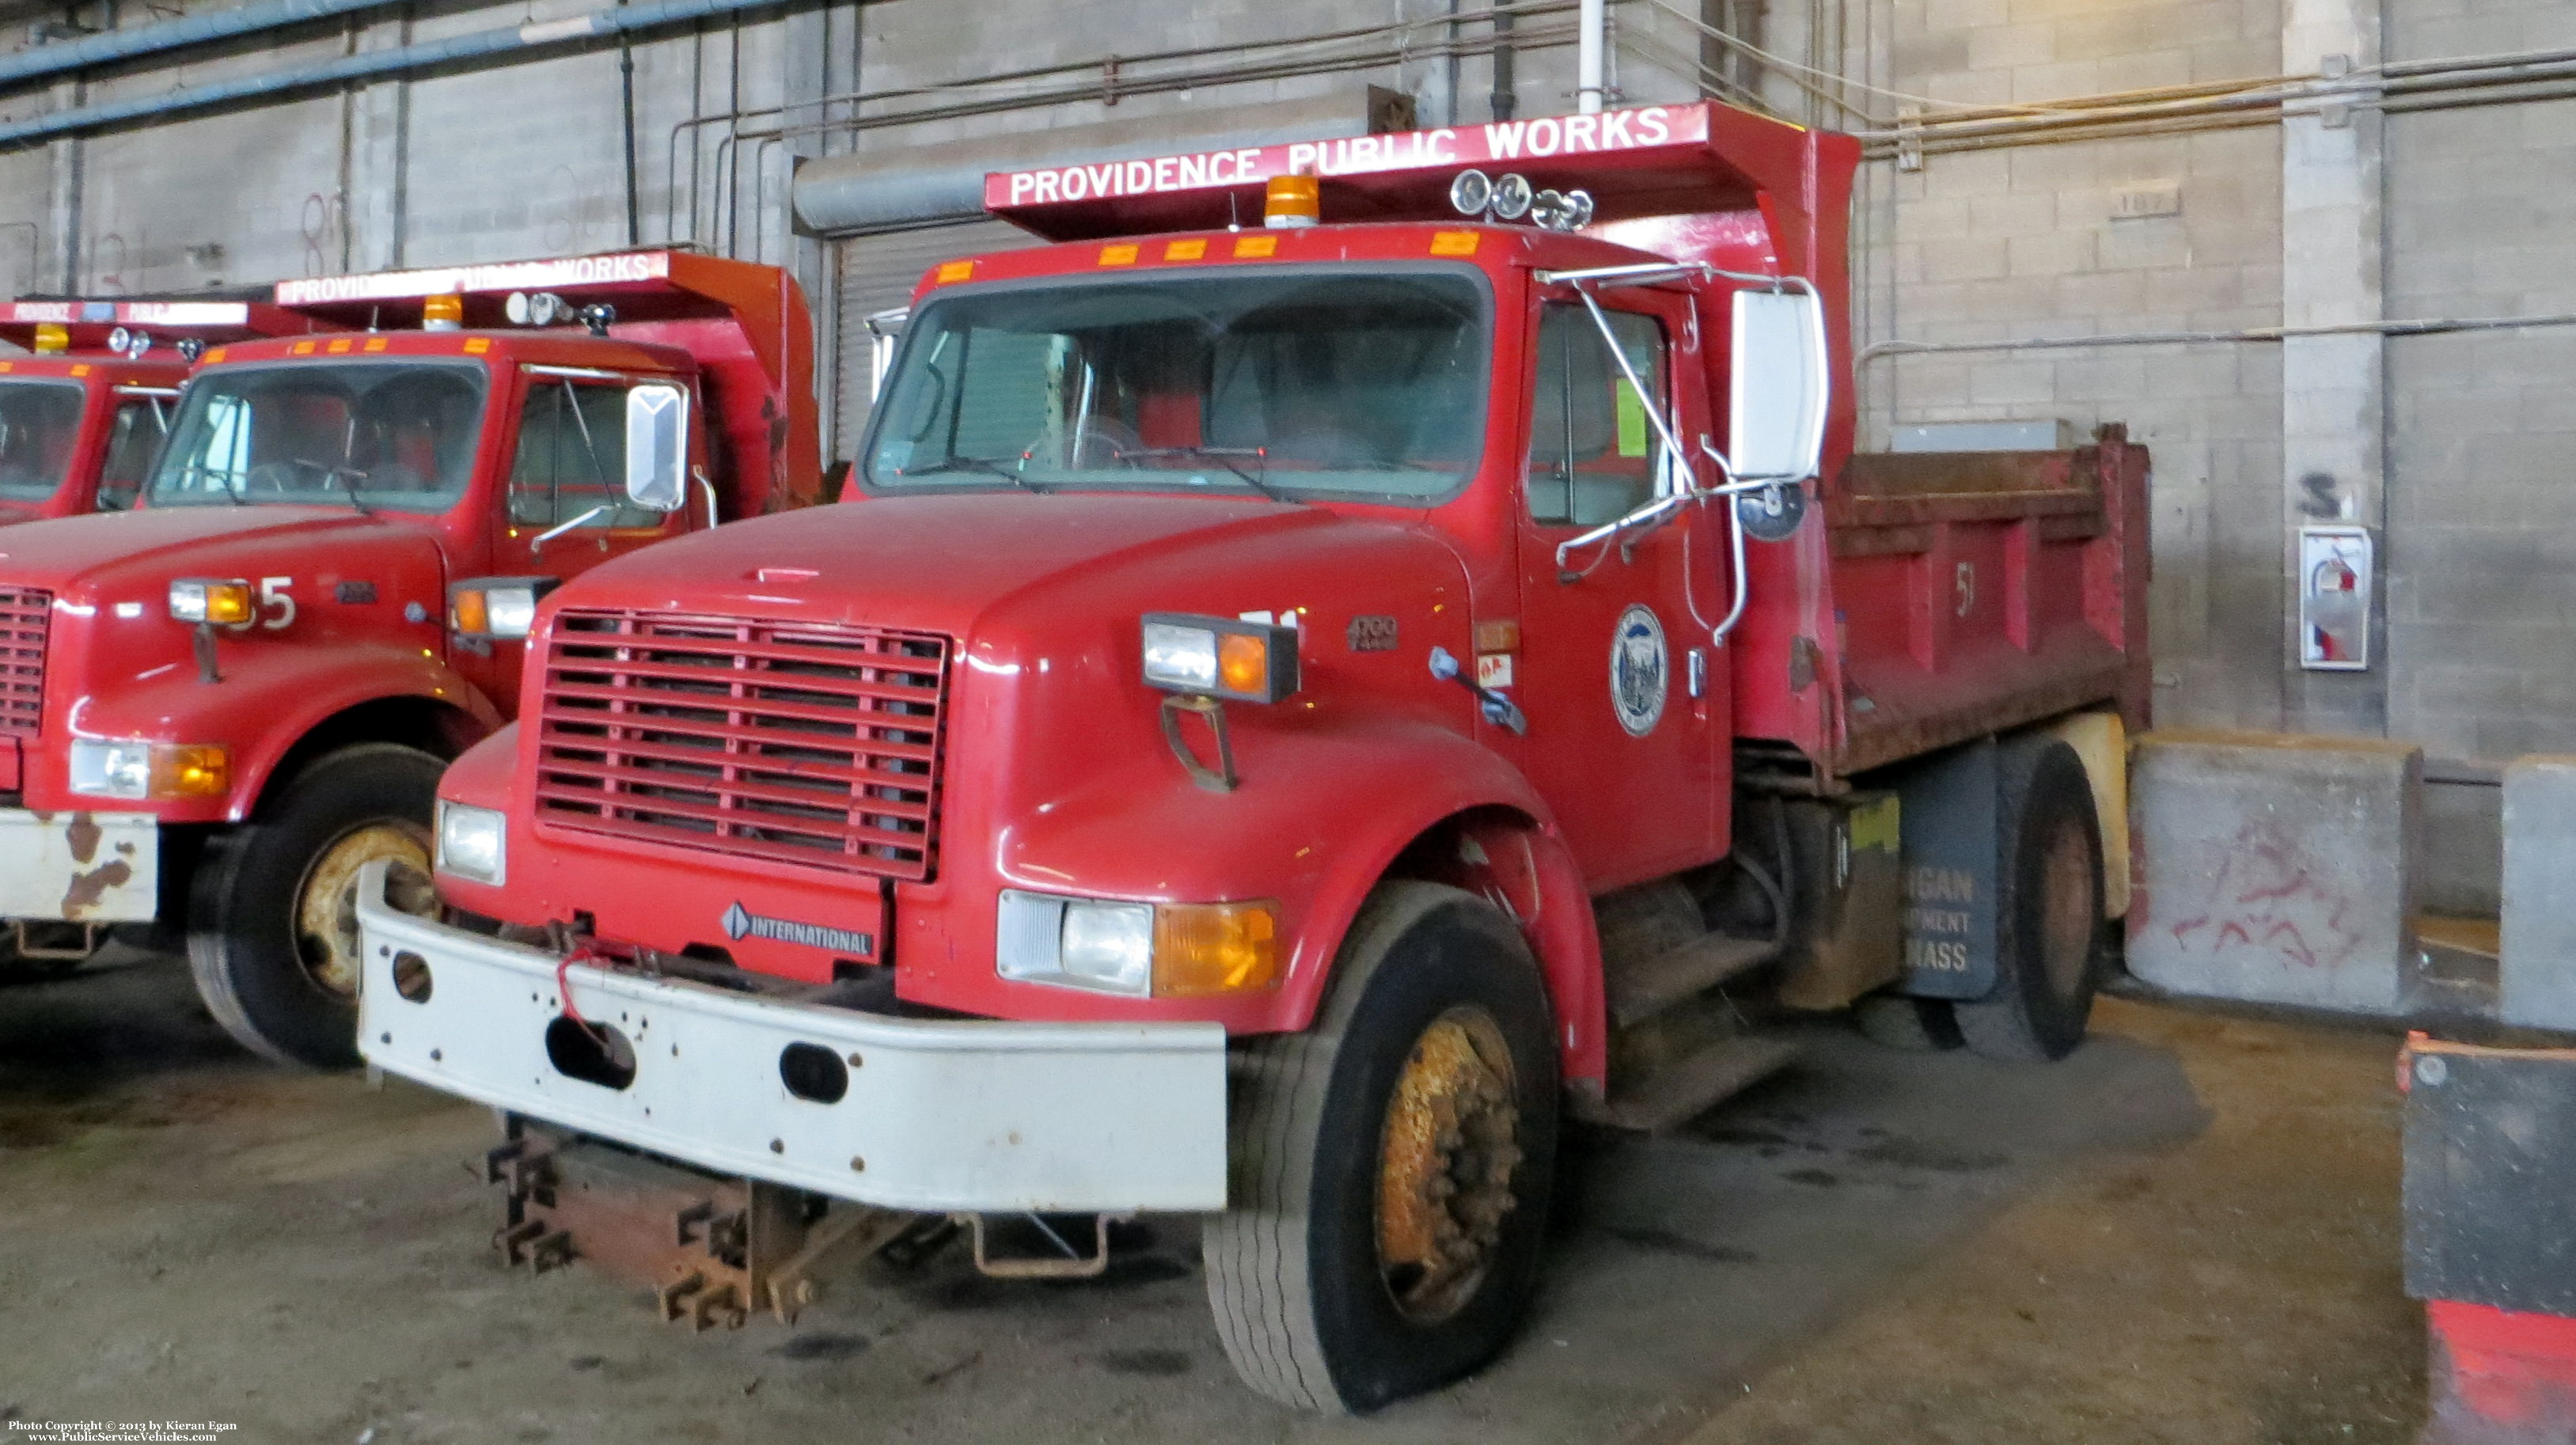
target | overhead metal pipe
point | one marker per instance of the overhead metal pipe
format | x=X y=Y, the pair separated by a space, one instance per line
x=111 y=46
x=1591 y=49
x=478 y=45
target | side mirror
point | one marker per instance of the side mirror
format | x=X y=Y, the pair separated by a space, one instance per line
x=657 y=446
x=1779 y=385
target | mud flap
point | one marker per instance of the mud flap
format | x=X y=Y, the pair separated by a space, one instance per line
x=712 y=1250
x=1947 y=817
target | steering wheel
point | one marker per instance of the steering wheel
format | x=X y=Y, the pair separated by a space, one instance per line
x=1105 y=446
x=274 y=477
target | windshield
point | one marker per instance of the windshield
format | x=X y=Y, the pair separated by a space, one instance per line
x=379 y=433
x=1339 y=383
x=39 y=424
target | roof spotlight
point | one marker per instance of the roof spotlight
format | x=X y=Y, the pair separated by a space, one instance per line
x=542 y=308
x=1561 y=210
x=119 y=339
x=1512 y=197
x=1471 y=193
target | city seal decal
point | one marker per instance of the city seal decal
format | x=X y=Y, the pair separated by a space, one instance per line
x=741 y=923
x=1639 y=670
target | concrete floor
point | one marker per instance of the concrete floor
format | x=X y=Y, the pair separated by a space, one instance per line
x=2188 y=1232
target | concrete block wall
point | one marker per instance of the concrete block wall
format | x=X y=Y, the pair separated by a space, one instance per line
x=2482 y=523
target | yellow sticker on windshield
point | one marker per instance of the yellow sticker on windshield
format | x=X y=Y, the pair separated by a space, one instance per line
x=1632 y=421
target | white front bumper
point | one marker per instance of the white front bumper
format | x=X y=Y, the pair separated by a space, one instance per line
x=940 y=1115
x=79 y=867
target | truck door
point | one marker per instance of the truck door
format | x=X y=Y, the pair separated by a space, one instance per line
x=567 y=477
x=1626 y=705
x=142 y=422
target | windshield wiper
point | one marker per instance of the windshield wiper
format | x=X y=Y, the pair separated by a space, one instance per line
x=1219 y=455
x=333 y=474
x=986 y=466
x=207 y=473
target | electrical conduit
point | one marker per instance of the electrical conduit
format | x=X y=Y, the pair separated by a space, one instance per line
x=482 y=43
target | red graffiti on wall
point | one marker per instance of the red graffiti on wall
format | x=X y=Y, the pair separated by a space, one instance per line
x=2267 y=897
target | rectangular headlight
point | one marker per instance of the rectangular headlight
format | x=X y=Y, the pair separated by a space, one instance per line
x=135 y=771
x=1142 y=950
x=111 y=770
x=497 y=608
x=473 y=843
x=1220 y=657
x=207 y=599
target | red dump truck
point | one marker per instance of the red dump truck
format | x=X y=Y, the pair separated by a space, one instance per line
x=82 y=415
x=1290 y=711
x=215 y=707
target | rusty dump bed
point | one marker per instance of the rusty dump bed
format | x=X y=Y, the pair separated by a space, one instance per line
x=1975 y=591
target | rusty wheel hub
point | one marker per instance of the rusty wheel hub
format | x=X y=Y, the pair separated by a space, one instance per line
x=1445 y=1165
x=326 y=907
x=2070 y=911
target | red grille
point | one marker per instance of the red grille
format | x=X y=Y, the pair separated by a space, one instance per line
x=23 y=613
x=784 y=741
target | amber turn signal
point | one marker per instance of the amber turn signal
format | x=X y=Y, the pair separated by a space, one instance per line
x=191 y=770
x=1202 y=949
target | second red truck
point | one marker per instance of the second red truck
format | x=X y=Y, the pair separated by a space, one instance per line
x=216 y=707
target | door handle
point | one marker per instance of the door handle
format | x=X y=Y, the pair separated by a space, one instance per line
x=1499 y=710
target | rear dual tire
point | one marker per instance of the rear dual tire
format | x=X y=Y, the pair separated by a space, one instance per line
x=2048 y=924
x=272 y=910
x=1392 y=1164
x=2048 y=910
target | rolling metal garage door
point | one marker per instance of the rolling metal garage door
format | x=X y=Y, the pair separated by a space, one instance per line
x=877 y=274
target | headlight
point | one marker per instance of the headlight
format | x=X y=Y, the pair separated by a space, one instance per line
x=136 y=770
x=473 y=843
x=497 y=608
x=207 y=599
x=1165 y=950
x=1220 y=657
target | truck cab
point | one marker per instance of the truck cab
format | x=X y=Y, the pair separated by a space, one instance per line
x=82 y=413
x=1289 y=713
x=226 y=700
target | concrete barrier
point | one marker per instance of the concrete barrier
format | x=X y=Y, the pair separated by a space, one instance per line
x=2277 y=868
x=2537 y=966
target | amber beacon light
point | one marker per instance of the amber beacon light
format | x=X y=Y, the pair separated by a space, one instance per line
x=1292 y=201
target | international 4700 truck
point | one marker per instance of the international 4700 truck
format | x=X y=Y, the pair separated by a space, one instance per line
x=1354 y=654
x=215 y=707
x=82 y=413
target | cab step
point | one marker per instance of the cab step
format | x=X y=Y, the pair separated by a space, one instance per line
x=1643 y=990
x=1684 y=1090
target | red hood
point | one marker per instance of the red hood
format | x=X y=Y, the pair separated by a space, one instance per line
x=934 y=563
x=60 y=554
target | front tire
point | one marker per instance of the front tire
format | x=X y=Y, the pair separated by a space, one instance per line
x=2048 y=910
x=1392 y=1164
x=272 y=912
